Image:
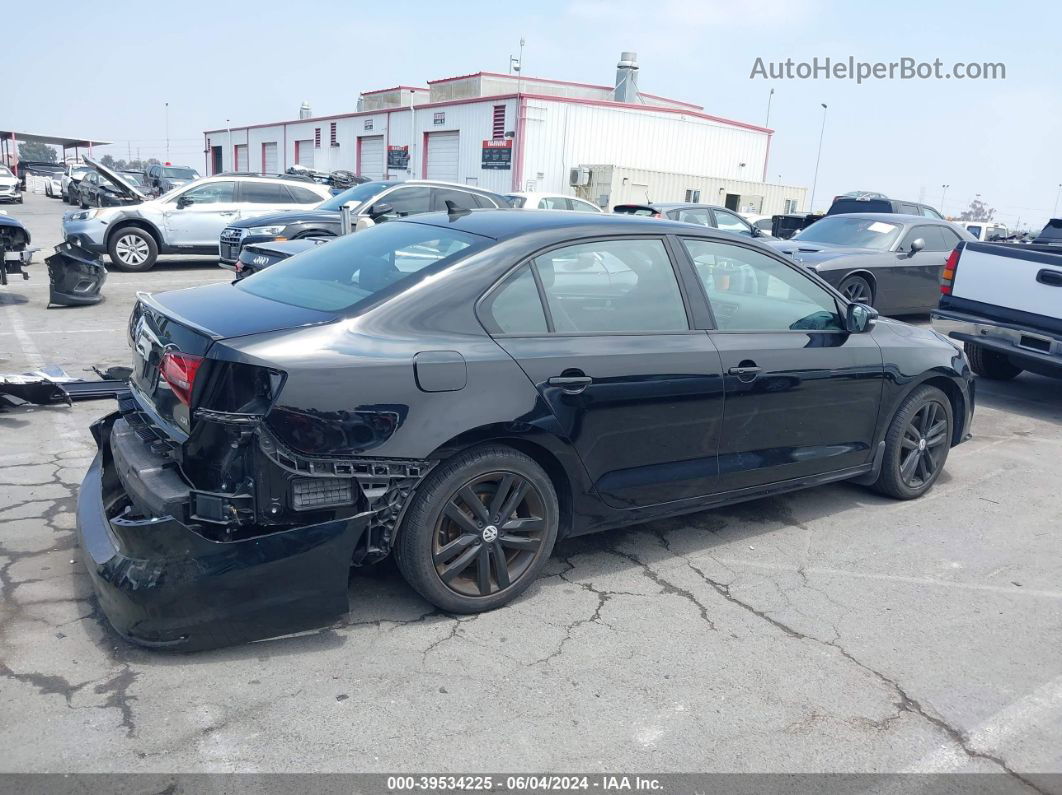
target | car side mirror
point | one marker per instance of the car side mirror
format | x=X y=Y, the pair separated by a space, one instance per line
x=380 y=210
x=184 y=201
x=917 y=245
x=859 y=318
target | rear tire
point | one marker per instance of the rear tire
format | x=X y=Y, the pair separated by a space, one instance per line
x=916 y=444
x=478 y=530
x=133 y=249
x=990 y=364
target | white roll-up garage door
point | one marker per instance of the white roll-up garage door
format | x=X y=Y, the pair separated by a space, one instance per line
x=241 y=158
x=269 y=158
x=304 y=153
x=443 y=151
x=372 y=156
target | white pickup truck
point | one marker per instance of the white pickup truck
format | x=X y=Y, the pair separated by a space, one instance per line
x=1003 y=301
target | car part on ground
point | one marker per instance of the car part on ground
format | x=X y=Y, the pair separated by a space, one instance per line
x=75 y=276
x=51 y=384
x=1003 y=302
x=466 y=388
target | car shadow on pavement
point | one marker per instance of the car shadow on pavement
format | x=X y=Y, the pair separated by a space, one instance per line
x=1029 y=395
x=10 y=299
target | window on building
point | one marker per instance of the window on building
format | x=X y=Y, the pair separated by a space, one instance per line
x=439 y=118
x=693 y=196
x=333 y=134
x=368 y=124
x=498 y=128
x=317 y=138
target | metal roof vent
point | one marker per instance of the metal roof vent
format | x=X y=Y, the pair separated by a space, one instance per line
x=627 y=78
x=305 y=112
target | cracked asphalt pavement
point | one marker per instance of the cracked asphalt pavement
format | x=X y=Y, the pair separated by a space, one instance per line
x=827 y=630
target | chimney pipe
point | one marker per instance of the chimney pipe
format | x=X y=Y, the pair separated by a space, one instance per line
x=627 y=78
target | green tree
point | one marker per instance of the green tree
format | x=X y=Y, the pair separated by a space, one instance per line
x=977 y=211
x=35 y=151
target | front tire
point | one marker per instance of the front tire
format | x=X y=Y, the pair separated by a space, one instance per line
x=916 y=444
x=478 y=530
x=133 y=249
x=858 y=290
x=990 y=364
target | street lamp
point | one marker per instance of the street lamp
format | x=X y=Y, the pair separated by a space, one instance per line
x=942 y=195
x=815 y=180
x=167 y=132
x=769 y=98
x=1054 y=213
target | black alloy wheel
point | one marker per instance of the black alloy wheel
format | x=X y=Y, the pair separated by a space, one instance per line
x=916 y=444
x=926 y=431
x=857 y=290
x=489 y=533
x=478 y=529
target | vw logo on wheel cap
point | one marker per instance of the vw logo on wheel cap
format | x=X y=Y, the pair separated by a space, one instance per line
x=490 y=533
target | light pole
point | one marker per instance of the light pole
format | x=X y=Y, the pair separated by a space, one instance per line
x=167 y=132
x=1054 y=213
x=943 y=193
x=818 y=157
x=770 y=96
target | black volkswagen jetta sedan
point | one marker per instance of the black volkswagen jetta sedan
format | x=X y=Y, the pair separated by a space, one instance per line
x=464 y=390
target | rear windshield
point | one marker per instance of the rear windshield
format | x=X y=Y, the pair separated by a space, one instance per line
x=516 y=201
x=379 y=261
x=856 y=206
x=357 y=194
x=851 y=232
x=633 y=209
x=1053 y=230
x=179 y=173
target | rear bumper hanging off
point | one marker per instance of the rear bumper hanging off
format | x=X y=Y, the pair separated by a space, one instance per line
x=161 y=583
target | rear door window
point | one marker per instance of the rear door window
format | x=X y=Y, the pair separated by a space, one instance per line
x=612 y=286
x=412 y=200
x=692 y=215
x=302 y=195
x=460 y=199
x=264 y=193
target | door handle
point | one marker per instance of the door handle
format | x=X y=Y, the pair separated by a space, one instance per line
x=571 y=384
x=1050 y=278
x=745 y=372
x=227 y=212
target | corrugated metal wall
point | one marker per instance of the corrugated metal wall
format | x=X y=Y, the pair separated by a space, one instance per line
x=620 y=185
x=473 y=120
x=562 y=135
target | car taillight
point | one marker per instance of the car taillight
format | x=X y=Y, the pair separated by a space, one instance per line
x=947 y=276
x=179 y=370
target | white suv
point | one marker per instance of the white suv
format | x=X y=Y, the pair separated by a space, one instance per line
x=187 y=220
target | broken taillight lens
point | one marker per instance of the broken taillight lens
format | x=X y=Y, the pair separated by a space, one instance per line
x=947 y=276
x=179 y=370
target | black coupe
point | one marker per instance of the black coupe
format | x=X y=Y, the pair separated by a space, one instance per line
x=464 y=390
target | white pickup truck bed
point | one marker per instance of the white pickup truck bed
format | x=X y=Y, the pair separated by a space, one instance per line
x=1004 y=303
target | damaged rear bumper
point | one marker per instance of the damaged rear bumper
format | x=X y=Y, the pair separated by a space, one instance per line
x=161 y=583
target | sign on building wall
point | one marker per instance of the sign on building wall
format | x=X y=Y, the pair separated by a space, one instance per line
x=497 y=154
x=398 y=157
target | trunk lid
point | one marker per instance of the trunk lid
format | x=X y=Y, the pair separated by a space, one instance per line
x=191 y=321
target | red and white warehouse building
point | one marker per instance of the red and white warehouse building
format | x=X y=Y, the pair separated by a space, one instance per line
x=510 y=133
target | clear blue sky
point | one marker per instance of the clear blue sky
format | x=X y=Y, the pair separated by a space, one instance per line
x=257 y=61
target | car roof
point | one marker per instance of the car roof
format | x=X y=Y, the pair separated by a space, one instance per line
x=508 y=223
x=890 y=217
x=675 y=206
